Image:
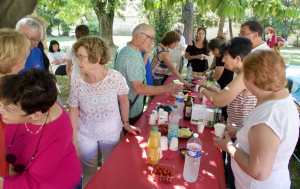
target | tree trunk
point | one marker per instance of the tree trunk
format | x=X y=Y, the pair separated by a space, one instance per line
x=106 y=19
x=11 y=11
x=187 y=20
x=221 y=25
x=230 y=28
x=58 y=30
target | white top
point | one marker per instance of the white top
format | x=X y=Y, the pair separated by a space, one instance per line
x=99 y=115
x=56 y=56
x=176 y=57
x=182 y=41
x=282 y=117
x=75 y=65
x=263 y=46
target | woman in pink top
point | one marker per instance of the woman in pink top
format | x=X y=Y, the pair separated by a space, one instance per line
x=38 y=134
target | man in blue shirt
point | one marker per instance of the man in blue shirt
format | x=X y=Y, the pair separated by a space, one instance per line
x=34 y=32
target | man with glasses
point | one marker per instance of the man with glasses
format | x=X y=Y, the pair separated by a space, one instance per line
x=34 y=32
x=129 y=62
x=253 y=31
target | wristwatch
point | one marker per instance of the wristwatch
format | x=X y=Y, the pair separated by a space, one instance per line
x=125 y=122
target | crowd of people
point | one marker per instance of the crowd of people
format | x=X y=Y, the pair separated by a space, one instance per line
x=43 y=146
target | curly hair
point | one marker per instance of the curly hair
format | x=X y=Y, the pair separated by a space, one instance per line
x=14 y=48
x=267 y=68
x=169 y=38
x=205 y=42
x=35 y=90
x=95 y=47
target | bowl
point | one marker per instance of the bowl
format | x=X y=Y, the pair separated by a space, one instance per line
x=162 y=177
x=182 y=152
x=192 y=132
x=166 y=107
x=185 y=91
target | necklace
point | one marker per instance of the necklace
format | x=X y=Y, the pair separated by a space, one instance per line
x=40 y=127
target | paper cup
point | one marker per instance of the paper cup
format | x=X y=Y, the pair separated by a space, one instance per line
x=160 y=112
x=164 y=143
x=219 y=129
x=152 y=120
x=197 y=88
x=161 y=120
x=166 y=115
x=155 y=113
x=200 y=127
x=174 y=144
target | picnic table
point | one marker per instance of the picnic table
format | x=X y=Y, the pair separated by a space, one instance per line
x=127 y=166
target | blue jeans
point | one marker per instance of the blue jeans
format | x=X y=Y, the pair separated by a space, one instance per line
x=79 y=186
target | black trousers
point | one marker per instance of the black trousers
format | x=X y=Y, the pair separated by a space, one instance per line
x=61 y=70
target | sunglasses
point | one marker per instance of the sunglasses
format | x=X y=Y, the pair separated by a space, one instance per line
x=267 y=33
x=11 y=158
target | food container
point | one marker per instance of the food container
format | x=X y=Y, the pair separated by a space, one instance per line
x=160 y=174
x=182 y=152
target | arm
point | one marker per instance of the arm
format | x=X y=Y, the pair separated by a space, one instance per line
x=263 y=147
x=165 y=56
x=285 y=43
x=142 y=89
x=208 y=57
x=228 y=94
x=74 y=116
x=211 y=67
x=124 y=106
x=218 y=72
x=1 y=182
x=68 y=69
x=191 y=57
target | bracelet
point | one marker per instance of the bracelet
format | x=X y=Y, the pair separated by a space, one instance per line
x=125 y=122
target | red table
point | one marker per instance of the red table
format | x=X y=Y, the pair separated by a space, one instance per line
x=127 y=166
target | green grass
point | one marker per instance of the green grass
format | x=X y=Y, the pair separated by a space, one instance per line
x=294 y=52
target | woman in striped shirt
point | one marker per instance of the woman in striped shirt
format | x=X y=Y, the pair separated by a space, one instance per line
x=238 y=98
x=162 y=61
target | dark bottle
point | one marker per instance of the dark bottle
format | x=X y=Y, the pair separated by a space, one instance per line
x=188 y=107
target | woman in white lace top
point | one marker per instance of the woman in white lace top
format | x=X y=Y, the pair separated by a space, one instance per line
x=93 y=101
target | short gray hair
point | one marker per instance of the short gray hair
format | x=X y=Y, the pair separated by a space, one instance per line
x=40 y=20
x=179 y=25
x=139 y=29
x=32 y=24
x=177 y=30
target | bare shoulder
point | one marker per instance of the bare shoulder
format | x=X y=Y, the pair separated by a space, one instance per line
x=191 y=43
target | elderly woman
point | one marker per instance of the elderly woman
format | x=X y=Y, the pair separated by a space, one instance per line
x=14 y=50
x=274 y=42
x=38 y=134
x=162 y=61
x=94 y=108
x=197 y=53
x=57 y=59
x=267 y=139
x=239 y=99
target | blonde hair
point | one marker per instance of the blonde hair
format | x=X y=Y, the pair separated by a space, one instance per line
x=40 y=20
x=95 y=47
x=267 y=68
x=222 y=38
x=14 y=48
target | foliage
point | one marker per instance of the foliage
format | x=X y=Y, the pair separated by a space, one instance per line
x=94 y=27
x=65 y=29
x=208 y=20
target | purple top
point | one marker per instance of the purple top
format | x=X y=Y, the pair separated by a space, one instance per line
x=55 y=165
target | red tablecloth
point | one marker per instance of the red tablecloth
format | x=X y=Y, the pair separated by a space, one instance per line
x=127 y=166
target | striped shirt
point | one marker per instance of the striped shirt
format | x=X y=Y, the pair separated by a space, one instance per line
x=159 y=68
x=239 y=109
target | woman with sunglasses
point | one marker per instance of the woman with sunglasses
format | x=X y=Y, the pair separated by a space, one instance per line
x=14 y=50
x=38 y=134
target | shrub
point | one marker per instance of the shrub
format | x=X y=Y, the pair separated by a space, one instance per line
x=65 y=29
x=94 y=28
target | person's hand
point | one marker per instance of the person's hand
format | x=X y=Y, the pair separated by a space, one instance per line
x=203 y=82
x=204 y=57
x=223 y=144
x=187 y=84
x=212 y=89
x=203 y=73
x=198 y=56
x=12 y=170
x=78 y=152
x=134 y=129
x=174 y=88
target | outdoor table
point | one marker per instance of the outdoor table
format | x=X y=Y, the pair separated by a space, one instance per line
x=127 y=166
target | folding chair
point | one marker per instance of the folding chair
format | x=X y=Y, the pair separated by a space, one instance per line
x=288 y=58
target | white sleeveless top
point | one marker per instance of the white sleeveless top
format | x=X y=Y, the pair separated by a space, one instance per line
x=99 y=115
x=283 y=118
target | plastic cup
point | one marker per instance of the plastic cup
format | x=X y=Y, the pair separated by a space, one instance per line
x=219 y=129
x=200 y=127
x=164 y=143
x=155 y=112
x=160 y=112
x=166 y=114
x=152 y=120
x=160 y=148
x=161 y=120
x=174 y=144
x=197 y=88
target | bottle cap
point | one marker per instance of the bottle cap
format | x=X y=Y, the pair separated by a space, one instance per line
x=175 y=106
x=155 y=128
x=190 y=93
x=195 y=135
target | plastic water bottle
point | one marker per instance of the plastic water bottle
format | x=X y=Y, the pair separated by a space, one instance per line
x=173 y=124
x=179 y=101
x=192 y=159
x=189 y=73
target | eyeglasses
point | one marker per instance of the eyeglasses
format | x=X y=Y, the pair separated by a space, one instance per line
x=11 y=158
x=33 y=40
x=151 y=38
x=267 y=33
x=80 y=57
x=244 y=34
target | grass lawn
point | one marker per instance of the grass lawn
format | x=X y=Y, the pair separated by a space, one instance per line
x=64 y=86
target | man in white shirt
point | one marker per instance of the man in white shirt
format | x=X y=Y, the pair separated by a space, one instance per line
x=72 y=67
x=253 y=31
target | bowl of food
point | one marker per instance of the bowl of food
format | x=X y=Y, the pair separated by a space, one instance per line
x=185 y=91
x=165 y=107
x=193 y=84
x=185 y=132
x=163 y=129
x=182 y=152
x=163 y=173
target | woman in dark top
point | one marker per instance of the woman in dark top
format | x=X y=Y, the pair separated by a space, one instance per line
x=197 y=53
x=45 y=58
